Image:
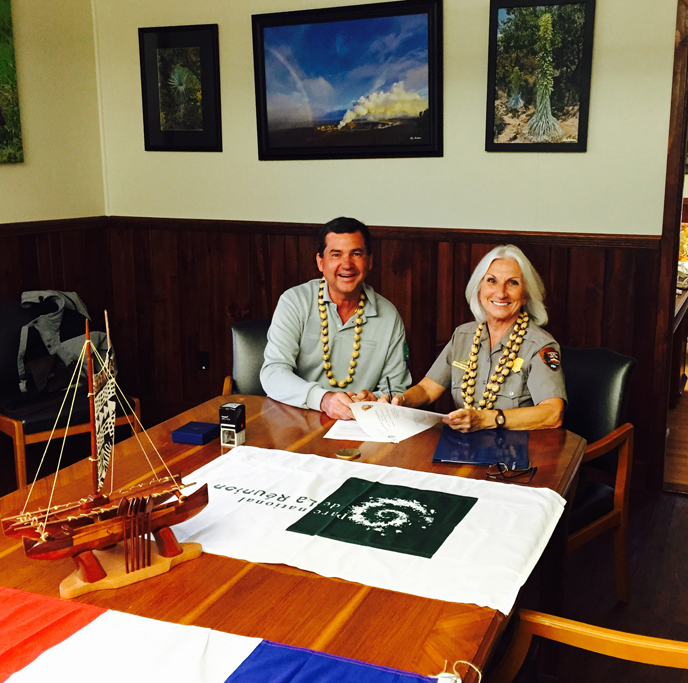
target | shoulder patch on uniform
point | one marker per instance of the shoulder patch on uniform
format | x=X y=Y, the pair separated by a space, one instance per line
x=550 y=357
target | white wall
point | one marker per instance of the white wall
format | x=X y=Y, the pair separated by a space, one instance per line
x=61 y=176
x=616 y=187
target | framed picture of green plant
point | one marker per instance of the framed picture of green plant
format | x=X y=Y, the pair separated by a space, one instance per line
x=11 y=148
x=180 y=85
x=540 y=61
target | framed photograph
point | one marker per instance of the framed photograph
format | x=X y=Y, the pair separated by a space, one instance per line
x=350 y=82
x=538 y=89
x=180 y=84
x=11 y=146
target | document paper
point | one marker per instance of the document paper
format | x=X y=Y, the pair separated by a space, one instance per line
x=382 y=423
x=385 y=422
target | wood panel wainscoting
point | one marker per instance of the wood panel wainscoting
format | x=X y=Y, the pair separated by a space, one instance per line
x=174 y=287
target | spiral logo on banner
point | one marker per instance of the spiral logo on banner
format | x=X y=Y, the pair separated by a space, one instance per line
x=384 y=515
x=391 y=517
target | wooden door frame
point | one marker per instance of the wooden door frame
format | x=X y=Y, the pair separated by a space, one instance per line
x=671 y=226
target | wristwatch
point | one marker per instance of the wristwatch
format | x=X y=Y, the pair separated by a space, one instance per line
x=500 y=420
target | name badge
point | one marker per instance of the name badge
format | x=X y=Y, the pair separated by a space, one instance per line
x=461 y=364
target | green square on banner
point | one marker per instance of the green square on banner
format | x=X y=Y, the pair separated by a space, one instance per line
x=397 y=518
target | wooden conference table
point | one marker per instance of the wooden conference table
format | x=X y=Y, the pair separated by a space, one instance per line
x=282 y=603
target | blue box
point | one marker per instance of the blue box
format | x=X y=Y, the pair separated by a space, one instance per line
x=197 y=433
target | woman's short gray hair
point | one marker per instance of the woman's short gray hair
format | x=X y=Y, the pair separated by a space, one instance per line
x=535 y=290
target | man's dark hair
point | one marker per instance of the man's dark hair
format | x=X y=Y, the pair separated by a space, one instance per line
x=344 y=225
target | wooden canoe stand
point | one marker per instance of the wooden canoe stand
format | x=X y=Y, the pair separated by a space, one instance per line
x=114 y=567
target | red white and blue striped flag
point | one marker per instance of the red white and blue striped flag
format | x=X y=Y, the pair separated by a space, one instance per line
x=44 y=639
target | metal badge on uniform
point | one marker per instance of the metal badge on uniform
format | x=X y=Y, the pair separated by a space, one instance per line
x=551 y=357
x=518 y=364
x=461 y=364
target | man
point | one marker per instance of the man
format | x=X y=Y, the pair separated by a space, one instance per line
x=334 y=341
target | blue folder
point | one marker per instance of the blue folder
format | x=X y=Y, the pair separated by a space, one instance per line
x=484 y=447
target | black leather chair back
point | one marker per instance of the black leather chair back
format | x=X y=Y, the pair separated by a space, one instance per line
x=248 y=343
x=12 y=318
x=596 y=384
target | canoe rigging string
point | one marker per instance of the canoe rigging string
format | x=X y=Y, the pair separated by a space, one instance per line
x=73 y=381
x=131 y=416
x=72 y=387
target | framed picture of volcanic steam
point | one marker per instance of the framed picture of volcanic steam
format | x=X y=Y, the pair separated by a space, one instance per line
x=538 y=92
x=350 y=82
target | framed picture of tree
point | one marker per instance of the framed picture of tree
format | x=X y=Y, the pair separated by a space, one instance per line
x=180 y=85
x=11 y=148
x=538 y=91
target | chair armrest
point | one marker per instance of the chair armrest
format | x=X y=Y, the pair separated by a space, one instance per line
x=609 y=442
x=9 y=426
x=604 y=641
x=621 y=438
x=227 y=386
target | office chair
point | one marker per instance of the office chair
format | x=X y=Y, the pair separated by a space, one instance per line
x=604 y=641
x=37 y=427
x=248 y=348
x=597 y=388
x=28 y=418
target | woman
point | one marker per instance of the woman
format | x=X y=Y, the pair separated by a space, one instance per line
x=503 y=369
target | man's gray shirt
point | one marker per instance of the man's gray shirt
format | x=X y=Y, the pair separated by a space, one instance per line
x=293 y=370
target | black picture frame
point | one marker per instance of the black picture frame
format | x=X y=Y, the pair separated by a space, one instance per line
x=518 y=54
x=306 y=61
x=180 y=86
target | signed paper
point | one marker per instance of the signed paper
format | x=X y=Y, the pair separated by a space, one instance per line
x=385 y=422
x=350 y=430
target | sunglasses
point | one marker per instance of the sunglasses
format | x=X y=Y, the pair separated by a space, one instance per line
x=519 y=472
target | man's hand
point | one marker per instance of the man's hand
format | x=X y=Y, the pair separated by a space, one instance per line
x=363 y=395
x=335 y=404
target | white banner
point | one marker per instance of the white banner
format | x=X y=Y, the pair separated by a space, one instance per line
x=256 y=494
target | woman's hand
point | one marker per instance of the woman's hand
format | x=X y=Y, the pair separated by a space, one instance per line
x=465 y=419
x=397 y=400
x=546 y=415
x=426 y=391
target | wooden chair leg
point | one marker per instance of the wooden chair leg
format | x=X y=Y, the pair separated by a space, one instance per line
x=509 y=666
x=19 y=454
x=621 y=561
x=137 y=411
